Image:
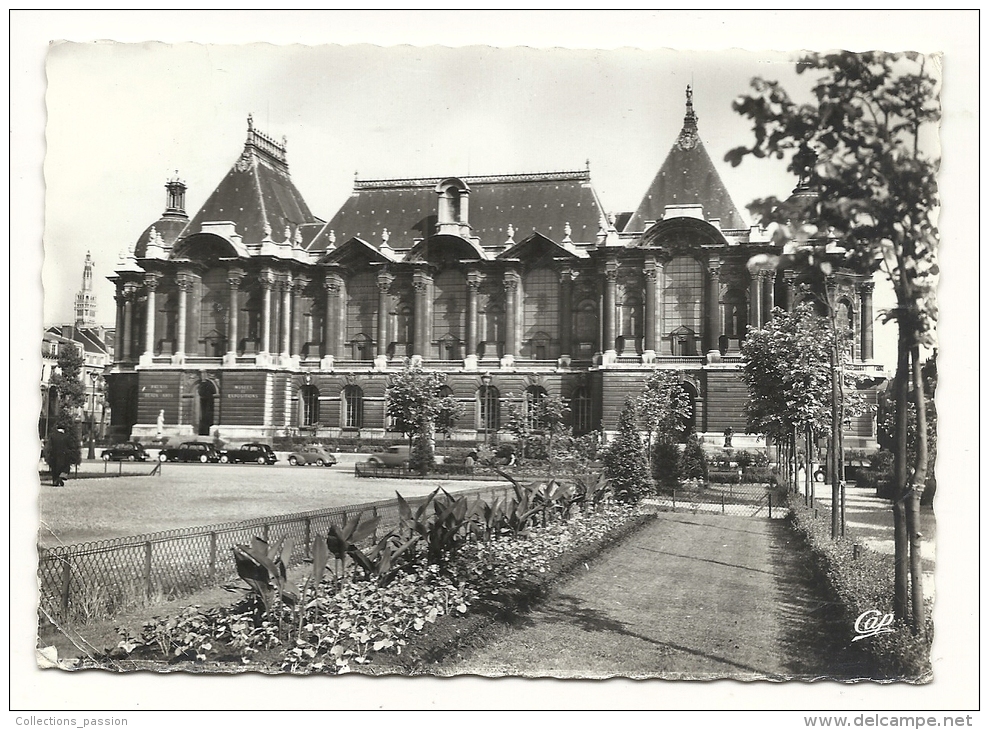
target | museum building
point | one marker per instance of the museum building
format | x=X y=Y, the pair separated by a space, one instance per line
x=254 y=318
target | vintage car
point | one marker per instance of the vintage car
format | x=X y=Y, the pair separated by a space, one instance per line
x=191 y=451
x=248 y=454
x=312 y=455
x=127 y=451
x=395 y=456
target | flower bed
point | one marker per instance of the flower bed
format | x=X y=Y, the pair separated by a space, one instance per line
x=862 y=580
x=378 y=609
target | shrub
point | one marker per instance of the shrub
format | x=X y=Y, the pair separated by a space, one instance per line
x=625 y=460
x=693 y=460
x=879 y=474
x=743 y=459
x=422 y=458
x=862 y=580
x=666 y=462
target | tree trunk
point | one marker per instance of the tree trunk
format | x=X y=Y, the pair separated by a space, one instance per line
x=834 y=457
x=809 y=470
x=899 y=486
x=918 y=612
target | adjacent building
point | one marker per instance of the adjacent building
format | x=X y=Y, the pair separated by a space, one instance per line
x=255 y=318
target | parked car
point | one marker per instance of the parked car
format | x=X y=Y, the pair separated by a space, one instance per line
x=191 y=451
x=127 y=451
x=312 y=455
x=249 y=454
x=396 y=456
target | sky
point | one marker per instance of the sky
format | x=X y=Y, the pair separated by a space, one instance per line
x=124 y=117
x=95 y=135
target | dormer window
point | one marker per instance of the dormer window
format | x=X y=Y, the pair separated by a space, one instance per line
x=452 y=209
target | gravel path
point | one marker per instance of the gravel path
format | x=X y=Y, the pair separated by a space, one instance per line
x=689 y=596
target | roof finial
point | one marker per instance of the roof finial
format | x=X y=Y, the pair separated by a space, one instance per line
x=566 y=232
x=333 y=238
x=250 y=123
x=688 y=138
x=384 y=238
x=511 y=234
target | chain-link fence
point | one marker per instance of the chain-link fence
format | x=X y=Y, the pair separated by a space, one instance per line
x=741 y=500
x=97 y=579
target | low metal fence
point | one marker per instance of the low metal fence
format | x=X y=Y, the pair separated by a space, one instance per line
x=440 y=471
x=98 y=579
x=741 y=500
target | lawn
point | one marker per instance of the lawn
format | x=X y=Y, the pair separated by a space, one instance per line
x=187 y=495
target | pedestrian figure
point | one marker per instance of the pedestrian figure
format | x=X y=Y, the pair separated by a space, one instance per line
x=59 y=456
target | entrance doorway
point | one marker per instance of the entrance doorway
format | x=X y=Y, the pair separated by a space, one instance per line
x=205 y=406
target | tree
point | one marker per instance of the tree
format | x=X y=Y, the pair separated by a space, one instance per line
x=536 y=422
x=415 y=404
x=67 y=383
x=860 y=148
x=663 y=406
x=625 y=459
x=693 y=460
x=788 y=377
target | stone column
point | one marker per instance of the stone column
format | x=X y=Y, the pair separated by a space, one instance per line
x=473 y=286
x=712 y=334
x=286 y=352
x=331 y=285
x=267 y=281
x=184 y=282
x=118 y=327
x=420 y=284
x=234 y=279
x=659 y=323
x=755 y=299
x=566 y=316
x=865 y=294
x=768 y=294
x=511 y=284
x=790 y=279
x=151 y=285
x=610 y=295
x=650 y=315
x=341 y=311
x=384 y=287
x=129 y=292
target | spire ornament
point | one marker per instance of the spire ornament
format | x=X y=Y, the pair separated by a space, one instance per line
x=688 y=138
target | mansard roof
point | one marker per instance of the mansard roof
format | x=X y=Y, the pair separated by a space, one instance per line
x=407 y=208
x=258 y=196
x=687 y=177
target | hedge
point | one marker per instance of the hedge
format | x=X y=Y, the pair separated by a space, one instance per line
x=862 y=580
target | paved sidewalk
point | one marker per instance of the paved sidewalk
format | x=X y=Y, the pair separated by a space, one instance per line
x=688 y=596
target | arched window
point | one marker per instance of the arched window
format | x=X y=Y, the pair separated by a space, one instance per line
x=488 y=408
x=449 y=314
x=534 y=396
x=630 y=324
x=541 y=314
x=736 y=314
x=492 y=339
x=580 y=409
x=683 y=295
x=213 y=308
x=309 y=397
x=586 y=329
x=353 y=407
x=362 y=311
x=404 y=318
x=845 y=323
x=360 y=347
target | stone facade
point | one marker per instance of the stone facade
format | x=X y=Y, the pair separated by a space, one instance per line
x=256 y=318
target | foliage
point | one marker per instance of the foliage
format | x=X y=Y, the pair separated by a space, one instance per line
x=663 y=406
x=693 y=460
x=862 y=151
x=71 y=390
x=263 y=568
x=787 y=372
x=339 y=624
x=886 y=426
x=416 y=406
x=665 y=461
x=862 y=580
x=879 y=474
x=536 y=424
x=625 y=459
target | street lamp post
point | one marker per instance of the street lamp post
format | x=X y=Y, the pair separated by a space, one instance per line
x=95 y=378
